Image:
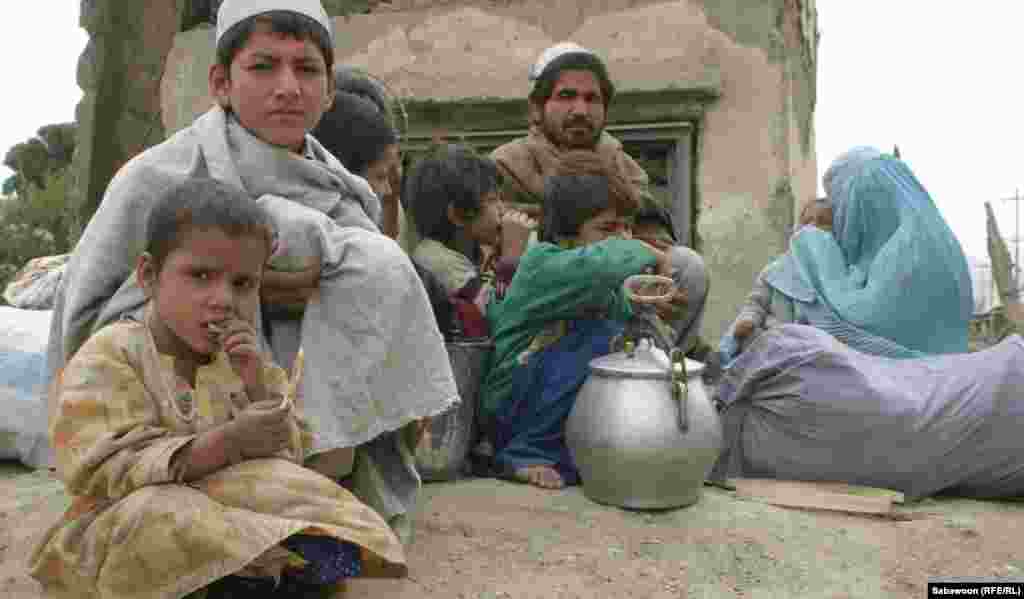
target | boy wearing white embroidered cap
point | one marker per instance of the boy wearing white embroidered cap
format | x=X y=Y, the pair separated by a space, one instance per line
x=375 y=363
x=274 y=68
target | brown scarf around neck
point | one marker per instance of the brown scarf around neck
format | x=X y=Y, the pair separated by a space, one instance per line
x=528 y=160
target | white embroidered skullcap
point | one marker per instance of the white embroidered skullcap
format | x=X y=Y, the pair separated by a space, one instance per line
x=557 y=51
x=233 y=12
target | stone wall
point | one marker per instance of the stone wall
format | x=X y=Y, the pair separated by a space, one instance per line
x=757 y=157
x=754 y=149
x=119 y=72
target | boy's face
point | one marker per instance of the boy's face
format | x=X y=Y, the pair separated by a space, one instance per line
x=381 y=174
x=278 y=86
x=485 y=228
x=818 y=214
x=209 y=278
x=604 y=225
x=823 y=217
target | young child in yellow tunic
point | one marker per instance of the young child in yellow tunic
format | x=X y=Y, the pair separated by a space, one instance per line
x=181 y=444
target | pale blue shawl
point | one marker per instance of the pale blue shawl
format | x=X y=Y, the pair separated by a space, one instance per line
x=892 y=278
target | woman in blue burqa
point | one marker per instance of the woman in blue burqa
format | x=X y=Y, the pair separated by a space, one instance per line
x=890 y=279
x=880 y=391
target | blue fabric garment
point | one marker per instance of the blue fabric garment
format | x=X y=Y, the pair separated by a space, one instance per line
x=21 y=374
x=530 y=424
x=330 y=560
x=728 y=349
x=22 y=416
x=891 y=279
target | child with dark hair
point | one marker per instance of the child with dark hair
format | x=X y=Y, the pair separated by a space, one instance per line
x=166 y=423
x=563 y=309
x=764 y=307
x=361 y=137
x=359 y=131
x=456 y=203
x=344 y=293
x=375 y=360
x=653 y=224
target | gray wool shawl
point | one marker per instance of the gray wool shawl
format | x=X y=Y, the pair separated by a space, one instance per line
x=374 y=358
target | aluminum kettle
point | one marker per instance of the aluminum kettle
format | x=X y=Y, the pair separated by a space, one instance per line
x=643 y=432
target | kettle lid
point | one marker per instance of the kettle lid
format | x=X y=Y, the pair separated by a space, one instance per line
x=647 y=361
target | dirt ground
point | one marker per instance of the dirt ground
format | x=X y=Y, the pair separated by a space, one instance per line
x=486 y=539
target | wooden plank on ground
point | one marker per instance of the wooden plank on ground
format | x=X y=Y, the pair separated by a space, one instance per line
x=839 y=497
x=860 y=490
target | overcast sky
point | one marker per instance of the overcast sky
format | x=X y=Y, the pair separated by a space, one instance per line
x=941 y=79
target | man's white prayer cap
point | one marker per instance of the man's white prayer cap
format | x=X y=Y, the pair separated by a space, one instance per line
x=233 y=12
x=554 y=52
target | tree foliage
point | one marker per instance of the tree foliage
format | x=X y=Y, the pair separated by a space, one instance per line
x=60 y=142
x=50 y=151
x=196 y=12
x=30 y=160
x=36 y=220
x=34 y=223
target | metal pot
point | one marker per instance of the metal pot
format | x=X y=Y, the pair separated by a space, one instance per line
x=643 y=432
x=441 y=453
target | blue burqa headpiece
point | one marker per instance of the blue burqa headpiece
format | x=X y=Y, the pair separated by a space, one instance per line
x=891 y=278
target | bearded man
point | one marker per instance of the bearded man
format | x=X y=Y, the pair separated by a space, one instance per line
x=568 y=108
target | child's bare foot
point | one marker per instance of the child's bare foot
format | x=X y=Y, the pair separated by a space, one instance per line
x=744 y=329
x=540 y=475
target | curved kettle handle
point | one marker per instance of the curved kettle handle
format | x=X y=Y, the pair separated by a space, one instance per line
x=680 y=388
x=680 y=394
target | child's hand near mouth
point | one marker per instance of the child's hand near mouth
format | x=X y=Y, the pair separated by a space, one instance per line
x=237 y=338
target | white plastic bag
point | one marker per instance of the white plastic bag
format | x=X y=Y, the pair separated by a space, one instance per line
x=34 y=287
x=23 y=337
